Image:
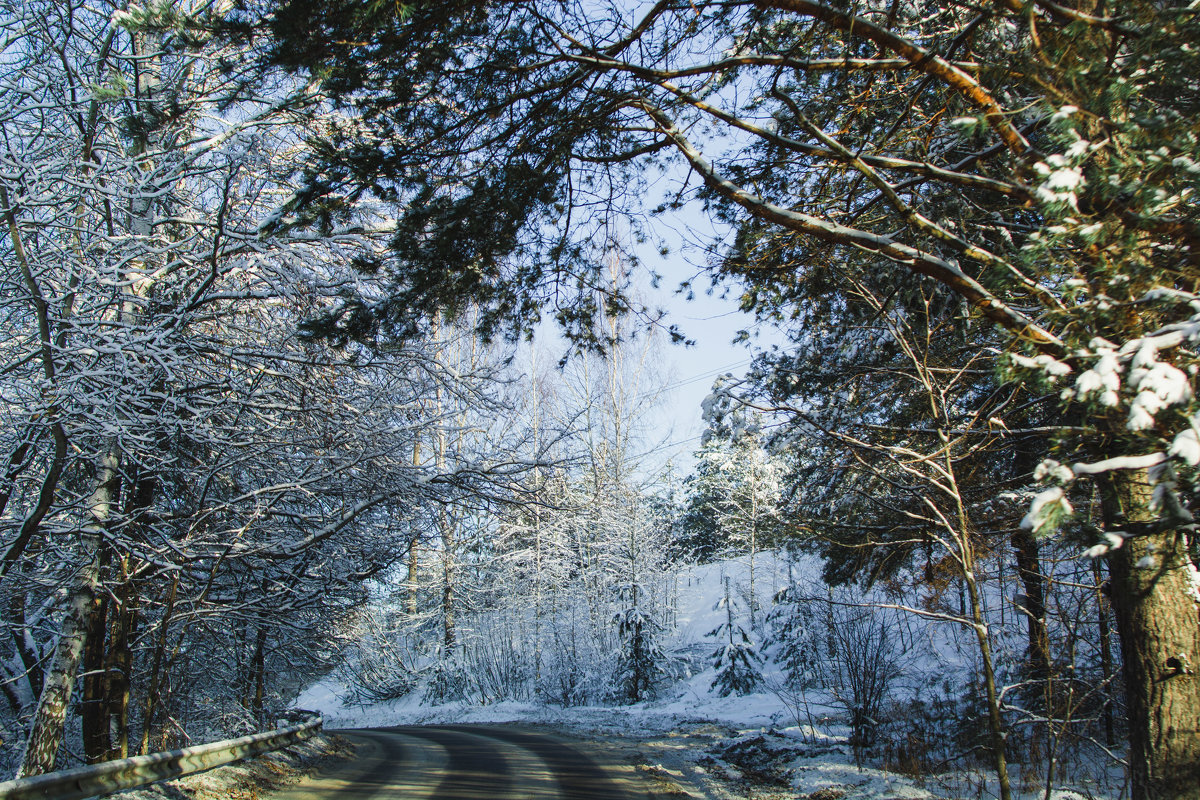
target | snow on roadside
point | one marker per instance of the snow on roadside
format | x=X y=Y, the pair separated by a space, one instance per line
x=249 y=779
x=773 y=743
x=677 y=740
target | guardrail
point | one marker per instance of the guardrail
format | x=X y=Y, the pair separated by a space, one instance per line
x=129 y=773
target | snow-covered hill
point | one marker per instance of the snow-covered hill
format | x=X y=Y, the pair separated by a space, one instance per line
x=793 y=734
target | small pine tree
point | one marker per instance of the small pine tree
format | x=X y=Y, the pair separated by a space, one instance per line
x=736 y=659
x=642 y=662
x=796 y=651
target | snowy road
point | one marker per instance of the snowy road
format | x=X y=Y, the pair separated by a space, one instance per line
x=467 y=762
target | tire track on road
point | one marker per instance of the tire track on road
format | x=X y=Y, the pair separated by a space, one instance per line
x=463 y=762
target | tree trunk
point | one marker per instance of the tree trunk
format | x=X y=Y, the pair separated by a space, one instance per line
x=1158 y=624
x=46 y=733
x=414 y=558
x=414 y=567
x=15 y=707
x=23 y=644
x=160 y=651
x=753 y=553
x=93 y=710
x=119 y=665
x=1033 y=585
x=448 y=621
x=983 y=639
x=1106 y=659
x=259 y=669
x=966 y=562
x=243 y=679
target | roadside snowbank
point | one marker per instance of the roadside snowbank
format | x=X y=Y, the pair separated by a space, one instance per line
x=247 y=780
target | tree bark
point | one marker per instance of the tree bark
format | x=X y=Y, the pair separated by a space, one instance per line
x=258 y=668
x=22 y=643
x=156 y=670
x=46 y=733
x=1106 y=659
x=414 y=567
x=449 y=635
x=119 y=666
x=1159 y=629
x=999 y=735
x=1033 y=585
x=414 y=559
x=45 y=737
x=93 y=709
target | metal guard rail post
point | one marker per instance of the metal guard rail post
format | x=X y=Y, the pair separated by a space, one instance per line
x=129 y=773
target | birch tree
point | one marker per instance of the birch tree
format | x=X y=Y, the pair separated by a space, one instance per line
x=181 y=458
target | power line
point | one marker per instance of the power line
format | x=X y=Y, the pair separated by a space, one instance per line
x=712 y=373
x=709 y=374
x=668 y=445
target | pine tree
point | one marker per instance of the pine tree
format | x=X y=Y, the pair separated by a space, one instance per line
x=736 y=658
x=1034 y=160
x=736 y=488
x=641 y=664
x=797 y=651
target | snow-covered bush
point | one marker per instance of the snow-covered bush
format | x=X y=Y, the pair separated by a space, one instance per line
x=384 y=657
x=842 y=643
x=498 y=667
x=449 y=680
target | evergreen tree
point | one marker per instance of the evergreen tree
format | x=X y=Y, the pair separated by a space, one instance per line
x=736 y=658
x=1034 y=160
x=641 y=664
x=794 y=646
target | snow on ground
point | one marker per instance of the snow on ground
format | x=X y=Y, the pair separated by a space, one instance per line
x=249 y=779
x=691 y=741
x=769 y=744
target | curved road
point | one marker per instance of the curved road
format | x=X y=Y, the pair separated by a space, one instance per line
x=465 y=762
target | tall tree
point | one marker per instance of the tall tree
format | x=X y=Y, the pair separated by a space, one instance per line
x=1033 y=158
x=185 y=473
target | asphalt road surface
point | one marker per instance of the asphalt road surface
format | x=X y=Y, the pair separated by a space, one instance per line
x=467 y=762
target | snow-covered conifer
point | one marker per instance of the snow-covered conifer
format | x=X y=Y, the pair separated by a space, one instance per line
x=736 y=659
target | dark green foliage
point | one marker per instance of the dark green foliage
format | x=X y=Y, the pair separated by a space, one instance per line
x=796 y=648
x=697 y=536
x=475 y=153
x=641 y=664
x=737 y=664
x=736 y=658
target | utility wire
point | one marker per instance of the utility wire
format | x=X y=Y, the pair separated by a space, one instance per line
x=712 y=373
